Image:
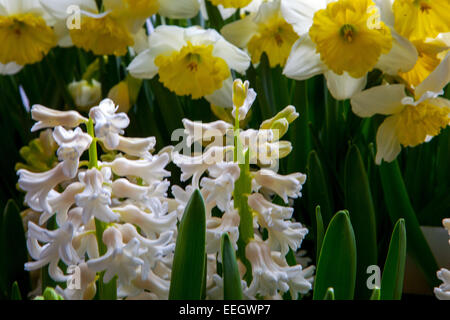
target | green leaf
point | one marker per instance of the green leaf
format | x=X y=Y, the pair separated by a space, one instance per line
x=232 y=289
x=394 y=268
x=320 y=231
x=15 y=292
x=214 y=16
x=329 y=295
x=337 y=261
x=399 y=206
x=375 y=294
x=190 y=252
x=358 y=201
x=50 y=294
x=13 y=251
x=318 y=188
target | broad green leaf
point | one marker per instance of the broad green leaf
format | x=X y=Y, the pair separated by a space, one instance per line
x=15 y=292
x=399 y=206
x=320 y=231
x=13 y=251
x=376 y=293
x=232 y=289
x=337 y=261
x=358 y=201
x=394 y=268
x=318 y=190
x=329 y=295
x=188 y=268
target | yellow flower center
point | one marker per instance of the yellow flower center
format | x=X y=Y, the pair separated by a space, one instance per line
x=428 y=61
x=104 y=36
x=137 y=9
x=275 y=37
x=231 y=3
x=415 y=123
x=192 y=71
x=421 y=19
x=350 y=37
x=25 y=39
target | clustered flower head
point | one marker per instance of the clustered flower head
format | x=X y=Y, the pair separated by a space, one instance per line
x=238 y=198
x=122 y=202
x=114 y=217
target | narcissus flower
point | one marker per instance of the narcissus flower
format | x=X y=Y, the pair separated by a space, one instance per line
x=191 y=61
x=421 y=19
x=112 y=31
x=265 y=31
x=344 y=40
x=26 y=33
x=411 y=121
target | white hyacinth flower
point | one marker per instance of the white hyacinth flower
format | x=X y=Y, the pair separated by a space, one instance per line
x=50 y=118
x=216 y=227
x=38 y=185
x=96 y=198
x=120 y=259
x=443 y=291
x=150 y=223
x=137 y=147
x=285 y=186
x=109 y=124
x=199 y=131
x=86 y=283
x=58 y=246
x=61 y=203
x=150 y=170
x=220 y=188
x=271 y=274
x=154 y=249
x=283 y=234
x=195 y=166
x=72 y=144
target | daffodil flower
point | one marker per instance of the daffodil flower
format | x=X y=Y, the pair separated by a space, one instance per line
x=343 y=40
x=265 y=31
x=26 y=33
x=410 y=121
x=112 y=31
x=421 y=19
x=191 y=61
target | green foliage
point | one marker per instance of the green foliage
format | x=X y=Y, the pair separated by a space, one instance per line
x=232 y=289
x=188 y=270
x=337 y=261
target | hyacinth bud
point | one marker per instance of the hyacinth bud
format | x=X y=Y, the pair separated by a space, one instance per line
x=288 y=114
x=243 y=98
x=85 y=94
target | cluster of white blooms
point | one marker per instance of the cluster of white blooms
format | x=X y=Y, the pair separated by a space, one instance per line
x=220 y=171
x=127 y=196
x=443 y=291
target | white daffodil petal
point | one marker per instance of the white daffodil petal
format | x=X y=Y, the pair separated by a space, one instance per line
x=223 y=96
x=10 y=69
x=235 y=58
x=387 y=15
x=384 y=99
x=437 y=80
x=388 y=146
x=402 y=57
x=178 y=9
x=300 y=13
x=303 y=62
x=143 y=66
x=344 y=87
x=59 y=8
x=240 y=32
